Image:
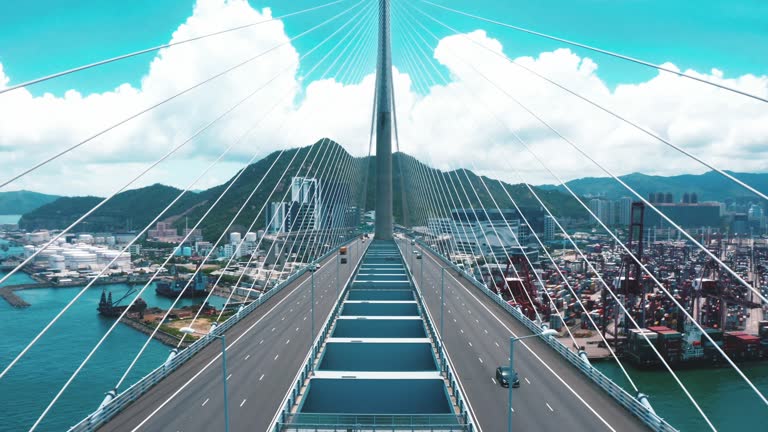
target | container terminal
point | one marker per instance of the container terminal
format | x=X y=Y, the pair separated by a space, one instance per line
x=729 y=313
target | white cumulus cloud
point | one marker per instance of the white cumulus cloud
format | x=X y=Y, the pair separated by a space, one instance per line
x=465 y=122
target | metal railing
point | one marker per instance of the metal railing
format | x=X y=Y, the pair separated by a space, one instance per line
x=373 y=422
x=125 y=398
x=629 y=402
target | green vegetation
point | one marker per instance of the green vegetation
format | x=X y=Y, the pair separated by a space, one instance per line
x=326 y=160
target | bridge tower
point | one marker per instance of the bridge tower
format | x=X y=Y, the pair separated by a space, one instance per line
x=384 y=118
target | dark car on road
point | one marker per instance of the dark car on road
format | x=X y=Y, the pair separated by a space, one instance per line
x=504 y=377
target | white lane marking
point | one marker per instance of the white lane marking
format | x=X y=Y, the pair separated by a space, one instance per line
x=462 y=331
x=283 y=319
x=526 y=380
x=273 y=329
x=277 y=356
x=243 y=403
x=481 y=360
x=486 y=331
x=248 y=356
x=470 y=343
x=291 y=310
x=562 y=381
x=262 y=341
x=206 y=401
x=305 y=318
x=494 y=380
x=454 y=320
x=497 y=344
x=229 y=376
x=288 y=341
x=297 y=329
x=550 y=408
x=477 y=320
x=261 y=377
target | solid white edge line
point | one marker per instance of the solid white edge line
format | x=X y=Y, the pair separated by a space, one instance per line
x=429 y=254
x=445 y=350
x=219 y=355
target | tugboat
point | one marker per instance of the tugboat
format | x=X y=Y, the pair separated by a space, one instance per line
x=171 y=289
x=110 y=309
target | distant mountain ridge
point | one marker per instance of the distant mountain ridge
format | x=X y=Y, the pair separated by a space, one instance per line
x=134 y=209
x=710 y=186
x=20 y=202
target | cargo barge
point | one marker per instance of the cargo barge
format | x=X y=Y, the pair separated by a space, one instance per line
x=692 y=349
x=171 y=288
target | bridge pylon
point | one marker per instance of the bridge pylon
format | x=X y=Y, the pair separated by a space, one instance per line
x=384 y=119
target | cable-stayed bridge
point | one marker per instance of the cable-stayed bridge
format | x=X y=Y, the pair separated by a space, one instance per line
x=403 y=326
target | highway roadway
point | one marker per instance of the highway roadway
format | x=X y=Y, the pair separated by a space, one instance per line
x=553 y=395
x=265 y=350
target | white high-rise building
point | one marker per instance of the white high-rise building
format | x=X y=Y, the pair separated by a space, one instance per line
x=549 y=228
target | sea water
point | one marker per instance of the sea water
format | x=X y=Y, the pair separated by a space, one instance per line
x=34 y=381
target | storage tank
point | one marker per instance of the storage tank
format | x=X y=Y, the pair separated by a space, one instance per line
x=28 y=251
x=234 y=238
x=251 y=237
x=57 y=263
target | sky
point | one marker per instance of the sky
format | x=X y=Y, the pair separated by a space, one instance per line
x=315 y=92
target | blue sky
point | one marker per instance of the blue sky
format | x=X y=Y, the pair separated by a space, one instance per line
x=41 y=37
x=44 y=36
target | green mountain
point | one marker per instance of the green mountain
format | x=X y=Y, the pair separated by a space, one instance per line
x=340 y=173
x=710 y=186
x=20 y=202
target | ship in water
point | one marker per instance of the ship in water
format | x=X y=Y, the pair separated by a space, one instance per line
x=171 y=288
x=113 y=309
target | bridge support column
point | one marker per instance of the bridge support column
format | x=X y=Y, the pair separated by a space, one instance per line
x=384 y=117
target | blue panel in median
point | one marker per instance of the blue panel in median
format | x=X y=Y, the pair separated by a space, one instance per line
x=380 y=295
x=379 y=328
x=378 y=357
x=380 y=309
x=370 y=396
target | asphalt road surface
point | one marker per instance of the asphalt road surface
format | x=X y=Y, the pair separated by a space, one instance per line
x=264 y=352
x=553 y=395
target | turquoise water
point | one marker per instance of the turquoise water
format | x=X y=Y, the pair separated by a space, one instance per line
x=35 y=380
x=723 y=396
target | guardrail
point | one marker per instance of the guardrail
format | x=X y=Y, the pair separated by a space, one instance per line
x=629 y=402
x=116 y=405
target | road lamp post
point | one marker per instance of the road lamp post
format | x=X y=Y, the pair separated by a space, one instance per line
x=312 y=269
x=512 y=340
x=442 y=299
x=222 y=338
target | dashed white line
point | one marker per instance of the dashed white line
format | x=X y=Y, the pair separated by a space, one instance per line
x=486 y=331
x=297 y=329
x=288 y=341
x=305 y=318
x=550 y=408
x=229 y=376
x=497 y=344
x=277 y=356
x=526 y=380
x=462 y=331
x=481 y=360
x=262 y=341
x=243 y=403
x=206 y=401
x=261 y=377
x=248 y=356
x=273 y=329
x=470 y=343
x=494 y=380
